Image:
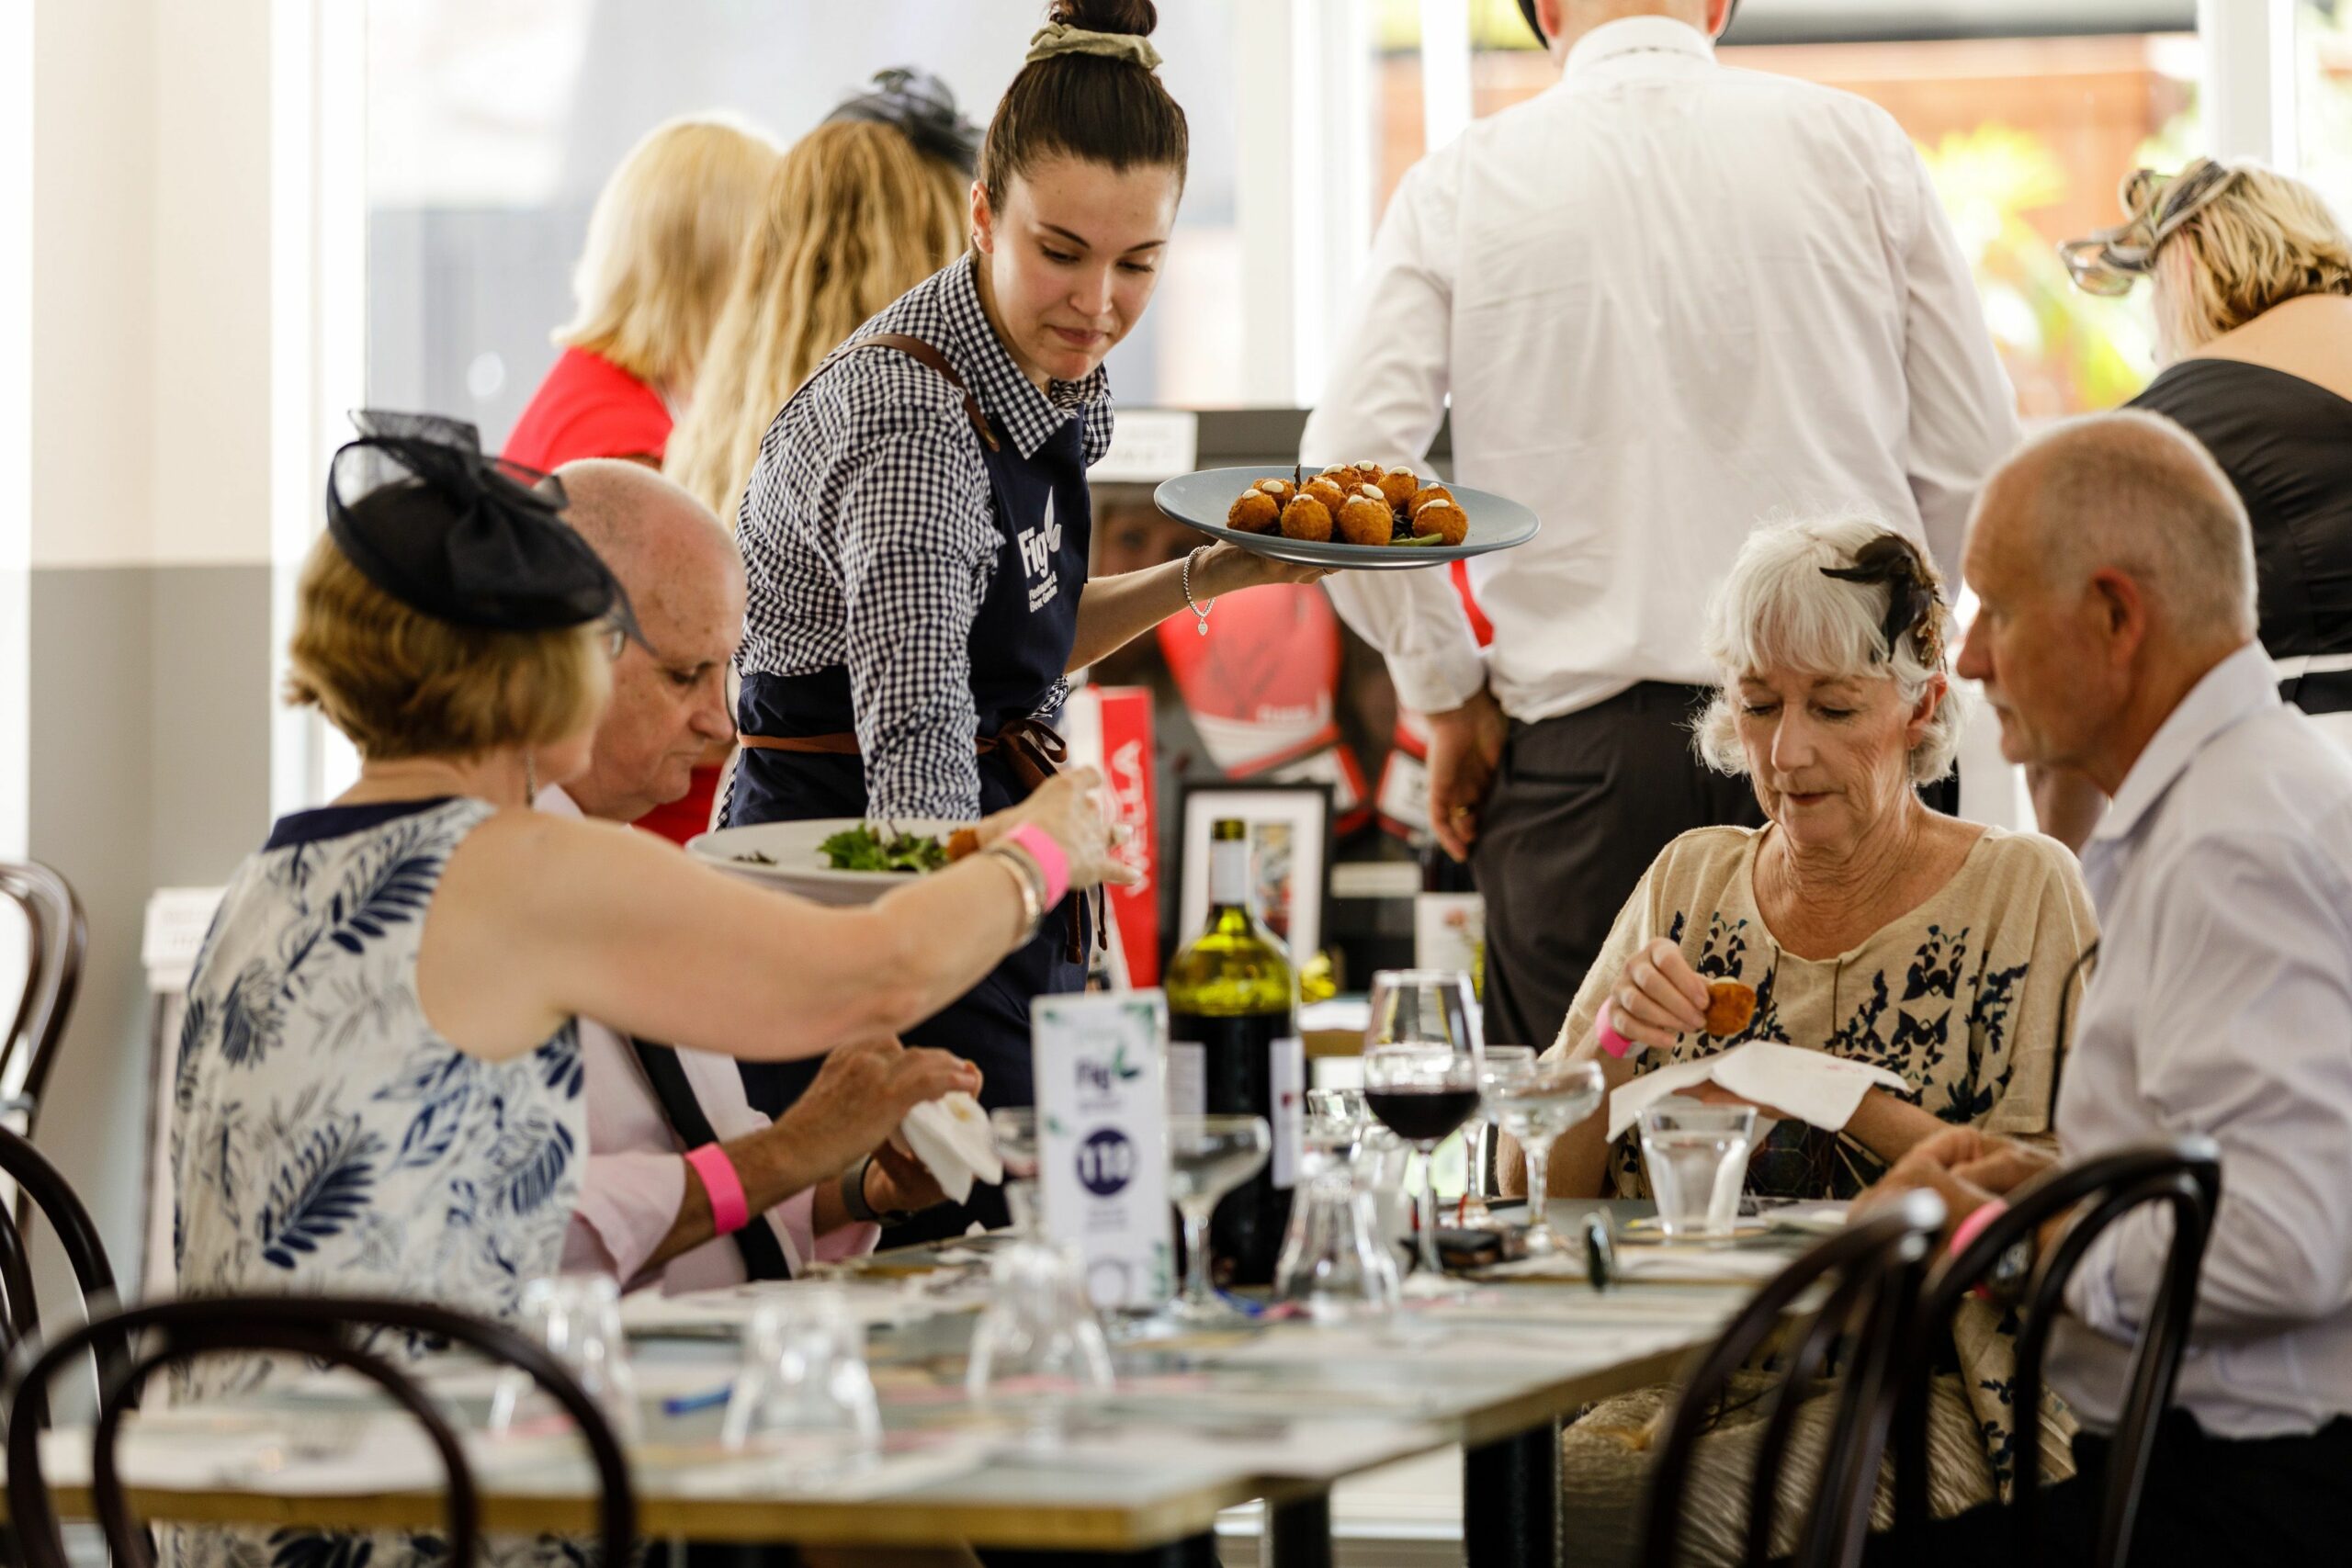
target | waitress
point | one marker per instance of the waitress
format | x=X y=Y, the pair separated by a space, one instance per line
x=916 y=531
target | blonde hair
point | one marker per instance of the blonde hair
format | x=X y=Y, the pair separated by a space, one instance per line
x=2262 y=240
x=854 y=216
x=1777 y=611
x=402 y=683
x=663 y=242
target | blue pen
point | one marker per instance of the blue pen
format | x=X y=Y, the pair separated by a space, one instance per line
x=687 y=1404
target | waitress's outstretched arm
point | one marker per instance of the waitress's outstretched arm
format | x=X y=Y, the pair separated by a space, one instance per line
x=1114 y=611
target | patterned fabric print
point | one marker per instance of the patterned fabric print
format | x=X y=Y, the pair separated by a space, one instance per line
x=868 y=533
x=326 y=1139
x=1944 y=998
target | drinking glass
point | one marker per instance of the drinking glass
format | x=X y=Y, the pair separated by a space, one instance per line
x=1039 y=1349
x=1534 y=1107
x=1502 y=1062
x=803 y=1395
x=1335 y=1262
x=1015 y=1127
x=577 y=1317
x=1696 y=1155
x=1420 y=1078
x=1208 y=1156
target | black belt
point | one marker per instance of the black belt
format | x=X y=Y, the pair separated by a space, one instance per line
x=763 y=1256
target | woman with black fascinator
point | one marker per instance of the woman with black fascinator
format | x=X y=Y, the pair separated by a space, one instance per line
x=380 y=1087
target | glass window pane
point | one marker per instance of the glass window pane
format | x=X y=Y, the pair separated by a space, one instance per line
x=2324 y=98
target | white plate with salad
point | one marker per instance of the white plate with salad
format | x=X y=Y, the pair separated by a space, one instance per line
x=833 y=860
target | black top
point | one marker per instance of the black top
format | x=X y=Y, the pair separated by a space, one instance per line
x=2287 y=445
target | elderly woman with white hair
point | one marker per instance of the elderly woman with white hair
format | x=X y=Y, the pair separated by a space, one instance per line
x=1869 y=927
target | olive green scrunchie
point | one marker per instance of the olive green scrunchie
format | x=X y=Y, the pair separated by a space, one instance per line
x=1060 y=38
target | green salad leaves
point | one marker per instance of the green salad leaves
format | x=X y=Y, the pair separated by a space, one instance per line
x=867 y=848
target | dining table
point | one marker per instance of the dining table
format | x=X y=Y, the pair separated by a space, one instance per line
x=1277 y=1411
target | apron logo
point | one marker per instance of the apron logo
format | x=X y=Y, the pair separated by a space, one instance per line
x=1038 y=548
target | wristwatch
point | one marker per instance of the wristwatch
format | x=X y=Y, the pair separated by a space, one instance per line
x=854 y=1200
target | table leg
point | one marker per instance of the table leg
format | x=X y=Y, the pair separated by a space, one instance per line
x=1298 y=1533
x=1511 y=1500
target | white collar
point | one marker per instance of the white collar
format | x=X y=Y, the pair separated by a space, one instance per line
x=2238 y=687
x=556 y=803
x=1638 y=34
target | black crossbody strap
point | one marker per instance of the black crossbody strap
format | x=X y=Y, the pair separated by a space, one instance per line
x=763 y=1256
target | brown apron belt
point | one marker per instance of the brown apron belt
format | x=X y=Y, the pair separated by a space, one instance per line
x=1036 y=750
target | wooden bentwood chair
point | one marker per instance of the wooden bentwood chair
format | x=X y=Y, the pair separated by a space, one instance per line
x=60 y=937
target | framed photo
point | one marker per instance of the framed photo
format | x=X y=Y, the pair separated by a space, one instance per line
x=1290 y=857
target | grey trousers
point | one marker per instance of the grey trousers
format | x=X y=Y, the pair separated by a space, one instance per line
x=1581 y=806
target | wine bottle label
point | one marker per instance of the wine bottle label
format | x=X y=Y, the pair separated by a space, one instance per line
x=1229 y=873
x=1188 y=1079
x=1289 y=1064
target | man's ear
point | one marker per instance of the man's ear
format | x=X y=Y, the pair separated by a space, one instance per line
x=2120 y=614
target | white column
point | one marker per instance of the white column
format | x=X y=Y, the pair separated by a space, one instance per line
x=16 y=442
x=317 y=169
x=2249 y=84
x=1446 y=71
x=1273 y=131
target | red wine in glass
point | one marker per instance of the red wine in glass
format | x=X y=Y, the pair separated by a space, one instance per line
x=1422 y=1116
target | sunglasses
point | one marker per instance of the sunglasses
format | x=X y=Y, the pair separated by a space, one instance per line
x=2107 y=264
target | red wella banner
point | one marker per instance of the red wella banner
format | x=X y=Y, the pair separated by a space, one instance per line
x=1110 y=728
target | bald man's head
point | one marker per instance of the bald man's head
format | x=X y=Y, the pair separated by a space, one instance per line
x=686 y=584
x=2113 y=567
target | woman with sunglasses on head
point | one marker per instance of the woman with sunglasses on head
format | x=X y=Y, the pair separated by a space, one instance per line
x=2251 y=277
x=916 y=530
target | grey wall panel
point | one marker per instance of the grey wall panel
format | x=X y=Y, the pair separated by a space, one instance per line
x=208 y=726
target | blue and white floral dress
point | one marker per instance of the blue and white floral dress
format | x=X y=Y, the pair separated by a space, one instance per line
x=326 y=1139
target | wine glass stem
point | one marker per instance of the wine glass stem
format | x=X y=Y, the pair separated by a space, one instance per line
x=1196 y=1253
x=1539 y=1160
x=1427 y=1226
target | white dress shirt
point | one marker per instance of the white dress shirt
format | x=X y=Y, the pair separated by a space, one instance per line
x=2222 y=1004
x=1668 y=301
x=636 y=1175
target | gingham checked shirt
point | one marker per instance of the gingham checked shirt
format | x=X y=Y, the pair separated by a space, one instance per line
x=870 y=536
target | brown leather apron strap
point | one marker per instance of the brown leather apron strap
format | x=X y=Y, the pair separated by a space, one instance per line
x=1037 y=752
x=929 y=356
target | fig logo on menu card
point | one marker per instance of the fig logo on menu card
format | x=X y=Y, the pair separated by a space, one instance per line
x=1038 y=548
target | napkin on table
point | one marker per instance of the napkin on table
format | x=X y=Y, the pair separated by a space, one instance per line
x=952 y=1137
x=1821 y=1088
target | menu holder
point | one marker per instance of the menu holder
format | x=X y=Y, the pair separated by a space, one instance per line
x=1102 y=1141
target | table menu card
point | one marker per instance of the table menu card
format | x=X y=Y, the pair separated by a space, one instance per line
x=1103 y=1140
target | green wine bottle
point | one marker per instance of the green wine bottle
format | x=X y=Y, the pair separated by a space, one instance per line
x=1234 y=1049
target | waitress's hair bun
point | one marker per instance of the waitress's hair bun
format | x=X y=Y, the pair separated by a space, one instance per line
x=1136 y=16
x=1091 y=107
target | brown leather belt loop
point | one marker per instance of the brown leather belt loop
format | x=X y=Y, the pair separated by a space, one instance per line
x=930 y=357
x=1037 y=752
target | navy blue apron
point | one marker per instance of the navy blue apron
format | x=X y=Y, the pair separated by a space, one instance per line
x=1019 y=647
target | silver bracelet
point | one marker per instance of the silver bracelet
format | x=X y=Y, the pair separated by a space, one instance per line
x=1200 y=612
x=1029 y=879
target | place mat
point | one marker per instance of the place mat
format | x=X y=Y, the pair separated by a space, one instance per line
x=909 y=1460
x=886 y=1302
x=197 y=1450
x=1665 y=1263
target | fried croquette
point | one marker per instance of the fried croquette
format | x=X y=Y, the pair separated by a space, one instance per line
x=1255 y=513
x=1730 y=1006
x=1426 y=494
x=1306 y=519
x=1281 y=489
x=1443 y=518
x=1398 y=486
x=1366 y=519
x=963 y=842
x=1329 y=493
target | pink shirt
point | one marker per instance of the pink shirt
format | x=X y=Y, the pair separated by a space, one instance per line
x=636 y=1177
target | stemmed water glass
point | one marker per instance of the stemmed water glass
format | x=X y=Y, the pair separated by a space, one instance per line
x=1420 y=1078
x=804 y=1397
x=1533 y=1108
x=1502 y=1063
x=1208 y=1156
x=578 y=1318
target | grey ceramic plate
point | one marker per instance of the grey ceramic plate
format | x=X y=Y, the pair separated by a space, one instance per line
x=1201 y=501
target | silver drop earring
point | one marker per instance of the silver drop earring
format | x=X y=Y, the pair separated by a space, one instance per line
x=530 y=778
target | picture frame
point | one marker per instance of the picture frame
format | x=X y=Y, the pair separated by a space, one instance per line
x=1290 y=839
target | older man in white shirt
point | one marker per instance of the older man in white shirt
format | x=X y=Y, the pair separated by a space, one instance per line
x=817 y=1181
x=2115 y=569
x=1667 y=300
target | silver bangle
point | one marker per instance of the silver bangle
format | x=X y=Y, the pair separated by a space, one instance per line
x=1200 y=612
x=1030 y=881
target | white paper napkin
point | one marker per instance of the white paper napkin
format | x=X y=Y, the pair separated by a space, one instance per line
x=1821 y=1089
x=952 y=1137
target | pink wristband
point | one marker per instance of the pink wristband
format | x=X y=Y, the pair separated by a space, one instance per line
x=1049 y=855
x=1973 y=1223
x=730 y=1210
x=1611 y=1042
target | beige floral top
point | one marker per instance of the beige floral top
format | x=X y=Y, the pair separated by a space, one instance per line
x=1961 y=998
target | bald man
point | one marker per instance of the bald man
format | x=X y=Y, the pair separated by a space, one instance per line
x=2115 y=567
x=643 y=1210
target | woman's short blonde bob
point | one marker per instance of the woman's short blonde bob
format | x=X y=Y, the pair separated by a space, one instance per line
x=1778 y=613
x=2262 y=240
x=401 y=683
